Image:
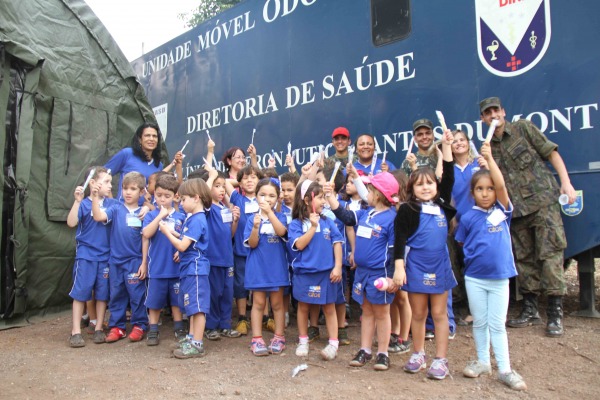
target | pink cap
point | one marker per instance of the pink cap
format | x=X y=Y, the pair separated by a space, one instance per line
x=386 y=184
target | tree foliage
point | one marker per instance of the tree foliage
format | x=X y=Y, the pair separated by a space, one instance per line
x=206 y=10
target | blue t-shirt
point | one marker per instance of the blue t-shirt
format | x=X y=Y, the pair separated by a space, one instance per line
x=366 y=169
x=248 y=207
x=266 y=265
x=125 y=233
x=220 y=251
x=125 y=161
x=487 y=247
x=161 y=251
x=374 y=238
x=461 y=191
x=318 y=255
x=92 y=237
x=193 y=260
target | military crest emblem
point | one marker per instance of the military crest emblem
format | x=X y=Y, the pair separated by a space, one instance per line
x=512 y=35
x=576 y=208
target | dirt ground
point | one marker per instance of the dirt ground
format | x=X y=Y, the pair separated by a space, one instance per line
x=38 y=363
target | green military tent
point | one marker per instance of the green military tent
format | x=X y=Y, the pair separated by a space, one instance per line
x=68 y=99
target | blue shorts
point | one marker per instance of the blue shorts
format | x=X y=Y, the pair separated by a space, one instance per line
x=195 y=294
x=363 y=287
x=162 y=292
x=315 y=288
x=239 y=290
x=88 y=277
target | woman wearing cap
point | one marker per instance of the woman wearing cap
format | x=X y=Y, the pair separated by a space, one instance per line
x=374 y=244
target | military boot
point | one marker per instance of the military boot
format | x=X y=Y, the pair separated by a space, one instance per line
x=554 y=327
x=529 y=315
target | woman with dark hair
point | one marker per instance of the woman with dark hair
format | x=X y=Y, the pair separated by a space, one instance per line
x=143 y=156
x=234 y=160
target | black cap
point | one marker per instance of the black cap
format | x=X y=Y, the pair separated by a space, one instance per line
x=422 y=122
x=489 y=102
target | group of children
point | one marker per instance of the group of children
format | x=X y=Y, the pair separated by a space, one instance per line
x=224 y=238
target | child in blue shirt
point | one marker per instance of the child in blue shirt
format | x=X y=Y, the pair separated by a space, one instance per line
x=317 y=264
x=90 y=272
x=484 y=232
x=374 y=243
x=266 y=266
x=247 y=178
x=421 y=229
x=192 y=246
x=163 y=271
x=222 y=224
x=128 y=266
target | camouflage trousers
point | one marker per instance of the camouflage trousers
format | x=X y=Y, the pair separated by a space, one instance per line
x=538 y=241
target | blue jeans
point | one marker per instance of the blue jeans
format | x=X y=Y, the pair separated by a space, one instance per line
x=488 y=302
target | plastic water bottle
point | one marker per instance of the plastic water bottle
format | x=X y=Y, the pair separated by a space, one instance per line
x=381 y=284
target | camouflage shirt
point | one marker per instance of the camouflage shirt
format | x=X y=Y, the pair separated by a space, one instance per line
x=521 y=154
x=429 y=160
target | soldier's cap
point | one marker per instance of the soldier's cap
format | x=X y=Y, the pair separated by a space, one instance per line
x=340 y=131
x=422 y=122
x=489 y=102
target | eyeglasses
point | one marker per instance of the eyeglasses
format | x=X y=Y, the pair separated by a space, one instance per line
x=238 y=158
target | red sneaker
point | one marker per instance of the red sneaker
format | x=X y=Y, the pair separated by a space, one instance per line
x=115 y=334
x=136 y=334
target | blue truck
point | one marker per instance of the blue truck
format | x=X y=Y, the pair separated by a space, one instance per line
x=290 y=71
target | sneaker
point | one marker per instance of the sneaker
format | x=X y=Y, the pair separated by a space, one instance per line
x=343 y=337
x=403 y=346
x=99 y=337
x=302 y=350
x=258 y=348
x=451 y=335
x=153 y=338
x=329 y=353
x=115 y=334
x=382 y=363
x=91 y=328
x=136 y=334
x=179 y=343
x=513 y=380
x=313 y=333
x=180 y=334
x=429 y=334
x=416 y=363
x=229 y=333
x=76 y=340
x=277 y=346
x=394 y=345
x=269 y=325
x=439 y=369
x=242 y=327
x=361 y=358
x=212 y=334
x=475 y=368
x=189 y=350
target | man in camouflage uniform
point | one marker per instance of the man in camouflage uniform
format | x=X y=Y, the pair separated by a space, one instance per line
x=538 y=236
x=341 y=141
x=426 y=156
